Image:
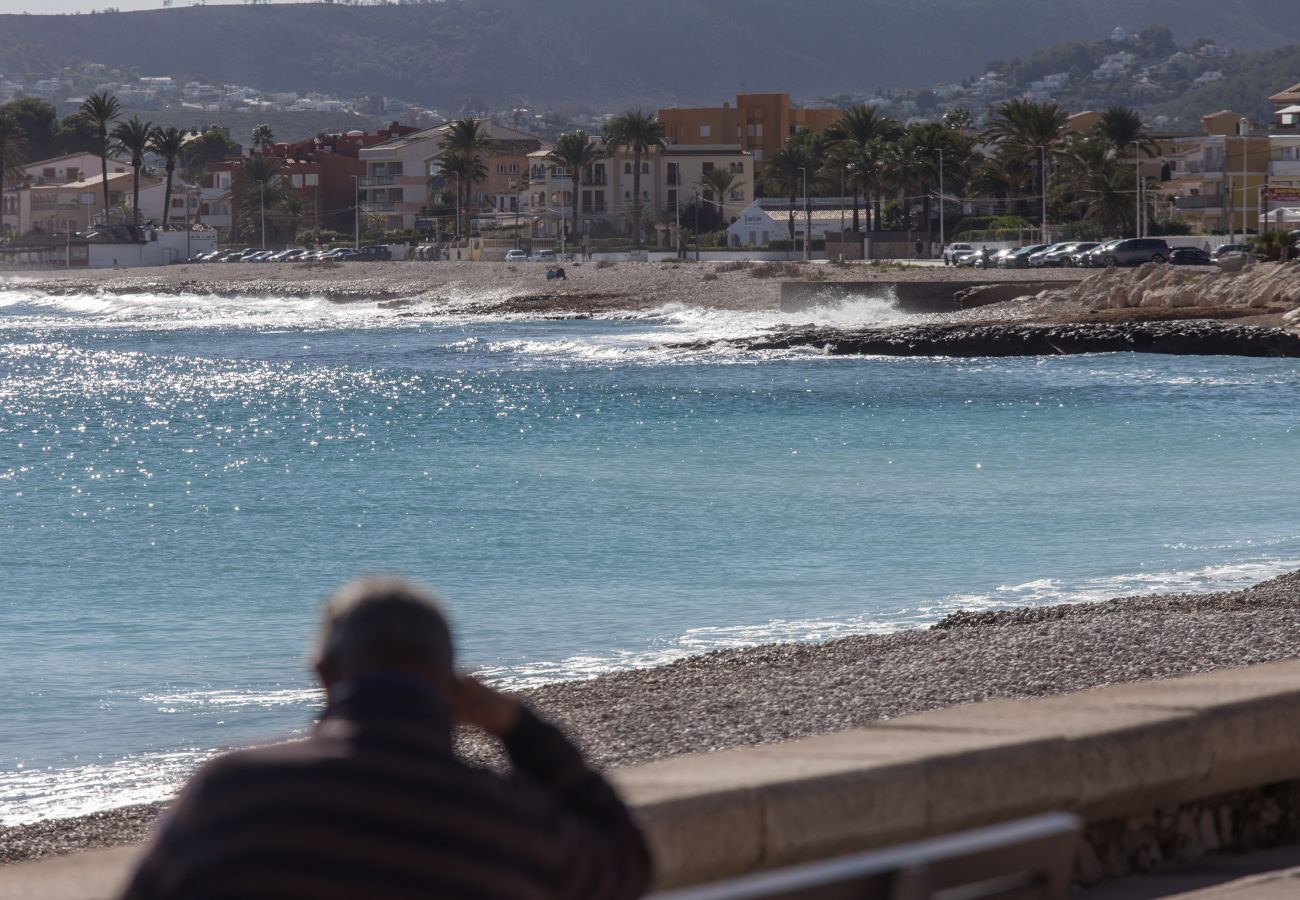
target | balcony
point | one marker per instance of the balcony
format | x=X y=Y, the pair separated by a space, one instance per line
x=595 y=208
x=590 y=179
x=1199 y=202
x=1284 y=168
x=379 y=206
x=378 y=181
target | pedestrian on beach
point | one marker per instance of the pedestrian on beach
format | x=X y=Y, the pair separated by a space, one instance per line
x=375 y=804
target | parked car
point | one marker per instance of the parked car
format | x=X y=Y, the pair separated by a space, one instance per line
x=952 y=251
x=1095 y=258
x=516 y=256
x=374 y=252
x=236 y=255
x=286 y=255
x=1190 y=256
x=1039 y=258
x=998 y=260
x=546 y=255
x=1224 y=250
x=1019 y=258
x=1067 y=257
x=1136 y=251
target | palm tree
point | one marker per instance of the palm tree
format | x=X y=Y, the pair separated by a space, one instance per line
x=720 y=182
x=907 y=171
x=132 y=137
x=13 y=151
x=1026 y=132
x=855 y=138
x=168 y=143
x=1122 y=127
x=469 y=139
x=574 y=152
x=932 y=142
x=785 y=170
x=259 y=186
x=639 y=133
x=464 y=168
x=262 y=135
x=99 y=111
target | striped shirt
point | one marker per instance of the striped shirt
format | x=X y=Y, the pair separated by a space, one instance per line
x=376 y=805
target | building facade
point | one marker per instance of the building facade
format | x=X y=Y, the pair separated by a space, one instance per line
x=402 y=175
x=672 y=179
x=758 y=124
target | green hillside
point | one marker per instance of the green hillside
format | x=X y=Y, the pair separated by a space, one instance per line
x=608 y=54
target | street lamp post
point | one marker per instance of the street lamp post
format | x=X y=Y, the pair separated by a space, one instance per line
x=356 y=207
x=1243 y=126
x=1137 y=188
x=458 y=208
x=696 y=204
x=262 y=190
x=1042 y=178
x=942 y=238
x=807 y=214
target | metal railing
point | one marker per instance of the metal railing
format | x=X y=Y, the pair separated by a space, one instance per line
x=375 y=206
x=378 y=181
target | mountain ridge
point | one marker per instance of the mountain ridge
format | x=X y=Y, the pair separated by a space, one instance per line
x=676 y=52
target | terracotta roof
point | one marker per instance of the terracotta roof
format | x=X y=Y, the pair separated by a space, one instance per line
x=1290 y=95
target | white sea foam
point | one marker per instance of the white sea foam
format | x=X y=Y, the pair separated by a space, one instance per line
x=1039 y=592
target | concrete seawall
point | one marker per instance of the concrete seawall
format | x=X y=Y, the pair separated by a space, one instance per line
x=936 y=296
x=1105 y=754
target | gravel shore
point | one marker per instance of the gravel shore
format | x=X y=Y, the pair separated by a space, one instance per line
x=737 y=698
x=493 y=287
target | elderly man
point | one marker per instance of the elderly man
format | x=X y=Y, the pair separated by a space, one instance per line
x=376 y=805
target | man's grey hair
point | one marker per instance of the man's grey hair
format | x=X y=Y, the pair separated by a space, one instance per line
x=384 y=624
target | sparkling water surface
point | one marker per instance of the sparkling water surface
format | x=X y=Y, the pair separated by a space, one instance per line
x=183 y=479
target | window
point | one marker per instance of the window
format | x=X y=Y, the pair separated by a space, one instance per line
x=296 y=180
x=501 y=168
x=706 y=131
x=758 y=156
x=49 y=172
x=514 y=168
x=708 y=167
x=627 y=168
x=311 y=179
x=478 y=197
x=740 y=168
x=645 y=168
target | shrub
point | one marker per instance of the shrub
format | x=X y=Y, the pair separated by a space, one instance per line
x=776 y=270
x=735 y=265
x=604 y=264
x=710 y=276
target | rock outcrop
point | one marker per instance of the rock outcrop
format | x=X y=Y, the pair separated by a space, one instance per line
x=1195 y=337
x=1271 y=287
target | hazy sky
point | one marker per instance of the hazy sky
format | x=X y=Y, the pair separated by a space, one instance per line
x=70 y=6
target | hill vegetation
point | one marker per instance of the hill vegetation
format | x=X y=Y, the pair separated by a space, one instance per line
x=574 y=52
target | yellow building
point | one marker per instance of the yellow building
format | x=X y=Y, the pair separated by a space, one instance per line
x=1217 y=177
x=758 y=123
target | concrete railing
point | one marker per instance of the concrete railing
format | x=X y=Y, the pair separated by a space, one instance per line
x=1103 y=754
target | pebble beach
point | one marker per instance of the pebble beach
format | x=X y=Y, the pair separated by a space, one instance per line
x=760 y=695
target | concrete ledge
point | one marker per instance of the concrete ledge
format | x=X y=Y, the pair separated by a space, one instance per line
x=1104 y=754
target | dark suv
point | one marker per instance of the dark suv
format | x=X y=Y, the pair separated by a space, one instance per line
x=1135 y=251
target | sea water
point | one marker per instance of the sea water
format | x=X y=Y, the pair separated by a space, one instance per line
x=183 y=479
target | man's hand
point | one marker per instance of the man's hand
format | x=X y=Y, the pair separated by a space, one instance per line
x=474 y=703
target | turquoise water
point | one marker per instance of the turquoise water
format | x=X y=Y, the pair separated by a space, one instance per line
x=182 y=480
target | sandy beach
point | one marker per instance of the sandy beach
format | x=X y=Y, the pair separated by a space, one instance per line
x=779 y=692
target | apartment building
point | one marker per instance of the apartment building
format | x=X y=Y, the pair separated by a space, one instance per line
x=672 y=178
x=402 y=174
x=77 y=205
x=1217 y=178
x=1283 y=193
x=758 y=124
x=56 y=171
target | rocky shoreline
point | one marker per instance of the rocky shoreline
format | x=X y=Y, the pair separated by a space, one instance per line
x=1201 y=337
x=758 y=695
